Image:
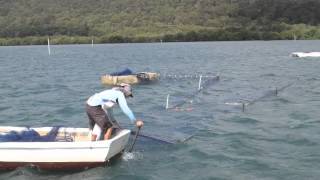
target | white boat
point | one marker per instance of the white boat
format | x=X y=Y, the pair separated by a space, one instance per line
x=305 y=54
x=57 y=148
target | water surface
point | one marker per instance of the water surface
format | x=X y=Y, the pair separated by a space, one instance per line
x=276 y=137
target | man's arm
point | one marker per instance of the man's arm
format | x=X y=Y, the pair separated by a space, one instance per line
x=124 y=107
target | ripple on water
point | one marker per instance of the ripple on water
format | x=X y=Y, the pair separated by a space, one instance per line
x=131 y=177
x=299 y=116
x=244 y=120
x=282 y=100
x=3 y=108
x=268 y=75
x=22 y=173
x=301 y=141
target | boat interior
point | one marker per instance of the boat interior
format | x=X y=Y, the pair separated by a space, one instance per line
x=44 y=134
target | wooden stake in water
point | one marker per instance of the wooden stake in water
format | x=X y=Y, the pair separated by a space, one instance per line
x=167 y=105
x=243 y=107
x=200 y=79
x=135 y=139
x=49 y=51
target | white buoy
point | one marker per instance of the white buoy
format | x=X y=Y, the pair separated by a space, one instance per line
x=167 y=105
x=49 y=51
x=199 y=86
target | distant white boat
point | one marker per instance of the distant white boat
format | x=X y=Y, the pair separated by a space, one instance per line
x=54 y=148
x=305 y=54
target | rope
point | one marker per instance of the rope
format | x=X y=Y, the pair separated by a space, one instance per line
x=190 y=98
x=270 y=93
x=245 y=103
x=186 y=76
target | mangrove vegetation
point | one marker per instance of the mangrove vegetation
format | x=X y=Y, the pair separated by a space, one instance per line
x=24 y=22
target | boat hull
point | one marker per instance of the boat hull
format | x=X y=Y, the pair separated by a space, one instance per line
x=305 y=54
x=51 y=166
x=61 y=155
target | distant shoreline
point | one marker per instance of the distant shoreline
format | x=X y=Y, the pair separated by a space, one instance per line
x=191 y=36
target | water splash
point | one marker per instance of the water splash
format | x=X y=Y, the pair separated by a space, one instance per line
x=131 y=156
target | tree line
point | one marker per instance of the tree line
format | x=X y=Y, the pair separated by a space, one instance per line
x=113 y=21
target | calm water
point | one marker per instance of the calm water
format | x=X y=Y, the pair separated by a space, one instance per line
x=276 y=137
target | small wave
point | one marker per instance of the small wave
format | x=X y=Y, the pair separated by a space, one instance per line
x=315 y=92
x=233 y=103
x=283 y=100
x=300 y=126
x=302 y=142
x=4 y=108
x=21 y=173
x=244 y=120
x=268 y=75
x=299 y=116
x=313 y=79
x=199 y=154
x=130 y=176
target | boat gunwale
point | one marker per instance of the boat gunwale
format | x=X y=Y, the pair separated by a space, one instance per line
x=60 y=144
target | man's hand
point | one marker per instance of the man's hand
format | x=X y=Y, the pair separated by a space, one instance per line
x=139 y=123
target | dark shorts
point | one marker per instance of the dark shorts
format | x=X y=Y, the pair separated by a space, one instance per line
x=97 y=115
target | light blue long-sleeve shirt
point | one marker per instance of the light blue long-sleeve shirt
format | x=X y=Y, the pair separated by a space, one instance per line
x=112 y=95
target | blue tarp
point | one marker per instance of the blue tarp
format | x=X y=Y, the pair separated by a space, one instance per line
x=124 y=72
x=29 y=135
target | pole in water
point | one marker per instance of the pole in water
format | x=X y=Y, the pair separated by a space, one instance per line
x=199 y=86
x=243 y=107
x=135 y=139
x=276 y=92
x=92 y=43
x=167 y=105
x=49 y=51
